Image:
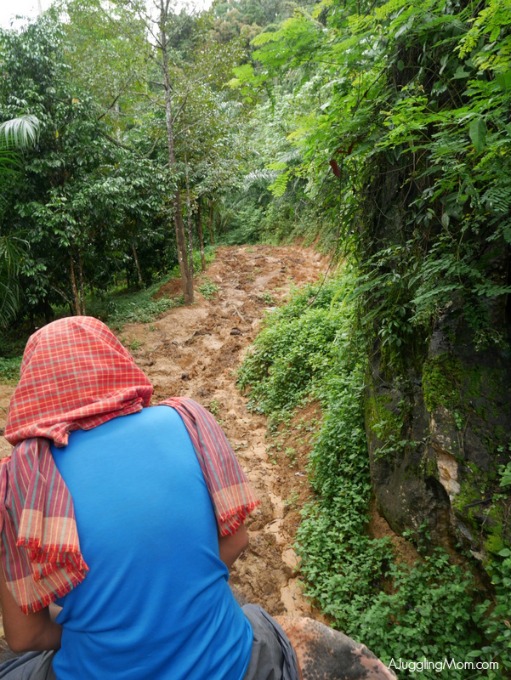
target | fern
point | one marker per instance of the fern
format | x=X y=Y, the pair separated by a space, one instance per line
x=279 y=185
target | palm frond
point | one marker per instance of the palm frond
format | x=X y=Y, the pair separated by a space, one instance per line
x=9 y=300
x=19 y=132
x=9 y=162
x=12 y=250
x=11 y=253
x=260 y=178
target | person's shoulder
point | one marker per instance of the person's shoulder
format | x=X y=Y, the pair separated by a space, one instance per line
x=160 y=413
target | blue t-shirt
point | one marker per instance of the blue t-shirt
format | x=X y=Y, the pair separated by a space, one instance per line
x=156 y=604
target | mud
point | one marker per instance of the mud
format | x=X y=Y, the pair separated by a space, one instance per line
x=196 y=351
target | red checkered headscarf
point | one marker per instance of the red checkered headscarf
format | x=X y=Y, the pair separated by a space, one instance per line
x=75 y=374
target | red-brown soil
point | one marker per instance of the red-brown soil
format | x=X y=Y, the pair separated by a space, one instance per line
x=195 y=351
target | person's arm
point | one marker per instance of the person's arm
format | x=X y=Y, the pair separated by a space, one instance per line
x=27 y=632
x=233 y=545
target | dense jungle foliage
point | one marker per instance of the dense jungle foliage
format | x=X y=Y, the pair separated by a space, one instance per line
x=380 y=131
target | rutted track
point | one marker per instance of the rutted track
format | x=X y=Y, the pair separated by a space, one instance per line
x=195 y=351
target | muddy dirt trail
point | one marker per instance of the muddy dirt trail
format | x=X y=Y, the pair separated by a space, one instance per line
x=195 y=351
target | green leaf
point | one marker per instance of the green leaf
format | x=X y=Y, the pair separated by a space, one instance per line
x=503 y=80
x=477 y=133
x=461 y=73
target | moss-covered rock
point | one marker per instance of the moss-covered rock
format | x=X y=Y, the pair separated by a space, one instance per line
x=438 y=439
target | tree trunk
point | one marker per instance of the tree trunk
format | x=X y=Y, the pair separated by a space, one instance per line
x=200 y=233
x=210 y=224
x=182 y=250
x=189 y=222
x=74 y=286
x=137 y=264
x=82 y=285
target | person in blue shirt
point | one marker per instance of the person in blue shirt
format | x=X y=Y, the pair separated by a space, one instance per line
x=158 y=504
x=119 y=523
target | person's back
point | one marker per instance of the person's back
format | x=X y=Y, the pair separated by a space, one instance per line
x=156 y=602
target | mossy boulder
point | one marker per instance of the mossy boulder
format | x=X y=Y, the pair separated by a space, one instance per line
x=438 y=438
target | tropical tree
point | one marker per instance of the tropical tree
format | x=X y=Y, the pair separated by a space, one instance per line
x=191 y=104
x=15 y=134
x=164 y=47
x=89 y=199
x=107 y=51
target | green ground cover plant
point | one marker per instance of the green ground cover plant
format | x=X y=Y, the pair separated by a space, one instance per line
x=311 y=348
x=208 y=289
x=116 y=308
x=9 y=369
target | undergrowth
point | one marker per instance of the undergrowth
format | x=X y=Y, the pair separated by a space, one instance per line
x=291 y=354
x=114 y=307
x=12 y=343
x=310 y=349
x=140 y=306
x=9 y=369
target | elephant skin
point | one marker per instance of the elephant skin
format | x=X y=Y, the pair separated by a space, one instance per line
x=326 y=654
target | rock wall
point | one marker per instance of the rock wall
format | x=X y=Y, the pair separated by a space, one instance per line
x=438 y=438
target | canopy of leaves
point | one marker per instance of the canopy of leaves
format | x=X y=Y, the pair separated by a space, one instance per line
x=401 y=124
x=91 y=203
